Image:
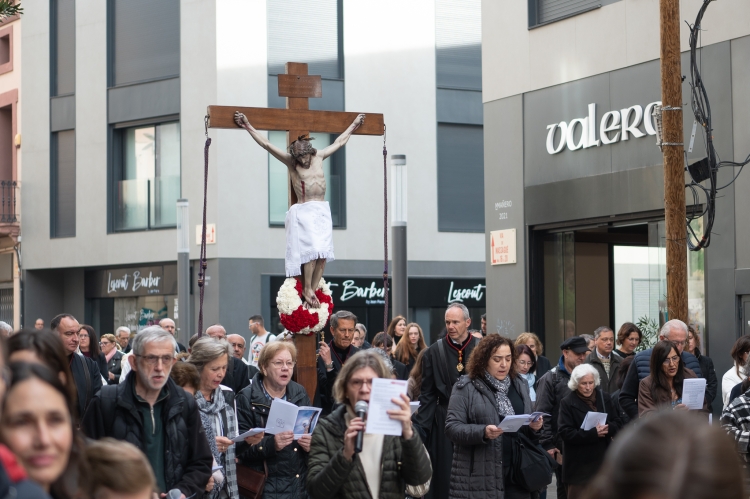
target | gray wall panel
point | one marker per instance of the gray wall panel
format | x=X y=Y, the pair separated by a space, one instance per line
x=64 y=46
x=144 y=100
x=553 y=105
x=459 y=106
x=63 y=184
x=62 y=113
x=43 y=290
x=503 y=177
x=741 y=124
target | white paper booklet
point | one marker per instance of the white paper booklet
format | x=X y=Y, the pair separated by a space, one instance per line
x=285 y=416
x=378 y=420
x=693 y=392
x=248 y=433
x=512 y=424
x=594 y=419
x=414 y=406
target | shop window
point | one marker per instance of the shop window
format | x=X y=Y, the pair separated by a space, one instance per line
x=333 y=168
x=147 y=177
x=460 y=174
x=63 y=184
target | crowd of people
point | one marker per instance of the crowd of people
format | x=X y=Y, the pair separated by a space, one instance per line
x=141 y=416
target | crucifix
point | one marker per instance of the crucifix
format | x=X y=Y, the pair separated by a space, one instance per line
x=306 y=188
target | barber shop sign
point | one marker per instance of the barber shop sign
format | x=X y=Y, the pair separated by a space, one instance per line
x=614 y=126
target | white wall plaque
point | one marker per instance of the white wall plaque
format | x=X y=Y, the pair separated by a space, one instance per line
x=210 y=234
x=503 y=246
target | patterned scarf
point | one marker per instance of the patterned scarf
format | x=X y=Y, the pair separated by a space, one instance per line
x=504 y=407
x=210 y=412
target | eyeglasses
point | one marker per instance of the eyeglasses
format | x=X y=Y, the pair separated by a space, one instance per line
x=357 y=383
x=83 y=335
x=102 y=343
x=152 y=360
x=671 y=360
x=524 y=363
x=278 y=364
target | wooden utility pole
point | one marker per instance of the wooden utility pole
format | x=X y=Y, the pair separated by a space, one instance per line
x=674 y=176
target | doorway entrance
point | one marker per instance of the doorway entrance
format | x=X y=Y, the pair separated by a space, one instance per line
x=587 y=276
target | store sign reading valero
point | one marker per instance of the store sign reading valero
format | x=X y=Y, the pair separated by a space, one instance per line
x=623 y=124
x=123 y=282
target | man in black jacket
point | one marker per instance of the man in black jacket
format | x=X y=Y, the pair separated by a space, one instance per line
x=238 y=374
x=334 y=354
x=86 y=374
x=675 y=331
x=443 y=363
x=151 y=412
x=553 y=387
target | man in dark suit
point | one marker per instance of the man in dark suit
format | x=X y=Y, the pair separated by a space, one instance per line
x=334 y=354
x=86 y=375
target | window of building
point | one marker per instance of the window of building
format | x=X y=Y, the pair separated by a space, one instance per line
x=289 y=25
x=460 y=142
x=63 y=50
x=63 y=183
x=147 y=176
x=278 y=180
x=543 y=12
x=144 y=40
x=460 y=178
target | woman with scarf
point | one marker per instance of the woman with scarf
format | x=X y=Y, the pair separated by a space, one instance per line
x=482 y=456
x=525 y=367
x=113 y=356
x=216 y=405
x=584 y=449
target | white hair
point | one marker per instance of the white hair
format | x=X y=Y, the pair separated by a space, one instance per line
x=6 y=327
x=666 y=329
x=151 y=334
x=581 y=371
x=463 y=308
x=122 y=328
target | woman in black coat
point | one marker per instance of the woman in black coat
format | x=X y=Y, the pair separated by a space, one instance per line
x=285 y=457
x=584 y=450
x=482 y=453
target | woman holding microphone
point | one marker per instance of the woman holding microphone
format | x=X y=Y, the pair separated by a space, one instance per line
x=386 y=465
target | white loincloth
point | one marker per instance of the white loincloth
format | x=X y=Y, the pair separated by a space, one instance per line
x=309 y=235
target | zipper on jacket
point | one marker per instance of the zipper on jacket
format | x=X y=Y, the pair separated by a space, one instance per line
x=153 y=422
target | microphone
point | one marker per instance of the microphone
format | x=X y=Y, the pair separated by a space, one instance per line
x=174 y=494
x=360 y=409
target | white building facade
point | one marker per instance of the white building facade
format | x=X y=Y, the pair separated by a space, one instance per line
x=109 y=154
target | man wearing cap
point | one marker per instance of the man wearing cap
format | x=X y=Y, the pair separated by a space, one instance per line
x=553 y=386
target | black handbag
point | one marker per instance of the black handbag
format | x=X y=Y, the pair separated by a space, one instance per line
x=531 y=467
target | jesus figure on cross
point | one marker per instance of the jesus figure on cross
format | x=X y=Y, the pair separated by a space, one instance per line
x=308 y=224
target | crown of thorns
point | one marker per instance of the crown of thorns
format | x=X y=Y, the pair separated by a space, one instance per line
x=302 y=146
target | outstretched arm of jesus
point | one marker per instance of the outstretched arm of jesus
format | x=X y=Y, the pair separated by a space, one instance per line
x=342 y=139
x=283 y=156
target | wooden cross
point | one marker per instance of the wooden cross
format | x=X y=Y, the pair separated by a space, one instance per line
x=297 y=119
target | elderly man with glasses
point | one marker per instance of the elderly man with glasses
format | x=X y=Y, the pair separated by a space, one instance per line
x=603 y=360
x=151 y=412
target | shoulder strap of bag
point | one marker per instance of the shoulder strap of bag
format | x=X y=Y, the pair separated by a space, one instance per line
x=444 y=363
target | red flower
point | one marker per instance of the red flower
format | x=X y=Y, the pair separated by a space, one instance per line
x=302 y=318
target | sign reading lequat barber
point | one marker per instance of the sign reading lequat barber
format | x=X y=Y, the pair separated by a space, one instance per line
x=589 y=131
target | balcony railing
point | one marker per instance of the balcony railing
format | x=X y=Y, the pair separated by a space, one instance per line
x=9 y=202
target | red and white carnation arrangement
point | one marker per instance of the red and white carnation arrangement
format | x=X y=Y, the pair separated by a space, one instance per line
x=294 y=314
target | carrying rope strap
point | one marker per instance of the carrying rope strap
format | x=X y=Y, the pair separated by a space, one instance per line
x=385 y=231
x=202 y=260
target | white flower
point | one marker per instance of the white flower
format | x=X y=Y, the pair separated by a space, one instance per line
x=288 y=300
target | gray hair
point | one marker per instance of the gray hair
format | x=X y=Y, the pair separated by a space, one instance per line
x=122 y=328
x=600 y=330
x=6 y=327
x=151 y=334
x=361 y=327
x=581 y=371
x=456 y=304
x=666 y=329
x=207 y=350
x=342 y=315
x=587 y=337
